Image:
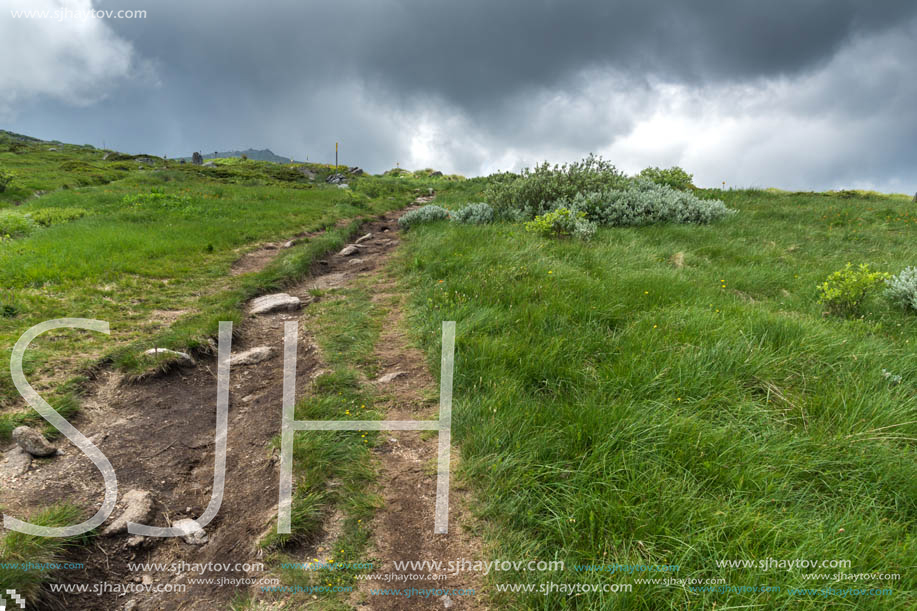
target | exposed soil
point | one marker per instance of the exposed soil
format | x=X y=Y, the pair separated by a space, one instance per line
x=403 y=528
x=159 y=436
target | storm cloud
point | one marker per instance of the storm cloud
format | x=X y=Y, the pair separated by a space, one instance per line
x=803 y=94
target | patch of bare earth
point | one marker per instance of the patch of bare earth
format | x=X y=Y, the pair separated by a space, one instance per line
x=403 y=527
x=159 y=436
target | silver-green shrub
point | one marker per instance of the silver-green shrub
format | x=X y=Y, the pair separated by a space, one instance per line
x=474 y=214
x=425 y=214
x=533 y=192
x=902 y=289
x=644 y=202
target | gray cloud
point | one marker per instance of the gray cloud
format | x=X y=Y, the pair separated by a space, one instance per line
x=787 y=94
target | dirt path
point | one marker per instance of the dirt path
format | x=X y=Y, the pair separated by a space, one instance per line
x=158 y=435
x=403 y=528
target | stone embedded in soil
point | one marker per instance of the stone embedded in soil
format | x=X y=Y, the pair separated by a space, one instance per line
x=390 y=377
x=289 y=244
x=251 y=357
x=180 y=356
x=349 y=250
x=137 y=507
x=363 y=238
x=17 y=463
x=356 y=261
x=194 y=534
x=32 y=441
x=274 y=303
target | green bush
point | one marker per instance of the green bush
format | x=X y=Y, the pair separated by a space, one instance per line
x=425 y=214
x=562 y=222
x=14 y=224
x=644 y=203
x=53 y=216
x=534 y=191
x=845 y=290
x=474 y=214
x=674 y=177
x=902 y=289
x=5 y=180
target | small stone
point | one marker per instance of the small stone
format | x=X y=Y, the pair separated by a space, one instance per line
x=363 y=238
x=147 y=580
x=390 y=377
x=194 y=534
x=251 y=357
x=138 y=505
x=349 y=250
x=17 y=463
x=356 y=261
x=166 y=353
x=343 y=185
x=289 y=244
x=447 y=602
x=273 y=303
x=136 y=541
x=130 y=605
x=32 y=441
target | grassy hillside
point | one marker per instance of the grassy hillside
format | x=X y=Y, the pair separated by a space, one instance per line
x=147 y=245
x=676 y=395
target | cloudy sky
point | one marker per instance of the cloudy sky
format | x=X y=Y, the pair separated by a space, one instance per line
x=801 y=94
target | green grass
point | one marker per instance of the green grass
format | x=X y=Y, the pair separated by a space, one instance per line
x=148 y=247
x=614 y=408
x=333 y=470
x=16 y=548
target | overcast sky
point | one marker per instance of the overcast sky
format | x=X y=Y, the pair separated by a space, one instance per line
x=801 y=94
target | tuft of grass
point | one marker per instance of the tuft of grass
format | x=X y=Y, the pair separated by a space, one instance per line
x=18 y=548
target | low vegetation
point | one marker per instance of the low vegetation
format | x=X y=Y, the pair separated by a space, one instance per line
x=675 y=394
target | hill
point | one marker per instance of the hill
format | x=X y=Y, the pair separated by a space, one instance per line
x=253 y=154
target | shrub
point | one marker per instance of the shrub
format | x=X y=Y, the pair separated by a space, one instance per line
x=562 y=222
x=673 y=177
x=474 y=214
x=644 y=203
x=14 y=224
x=845 y=290
x=534 y=192
x=53 y=216
x=5 y=180
x=426 y=214
x=902 y=289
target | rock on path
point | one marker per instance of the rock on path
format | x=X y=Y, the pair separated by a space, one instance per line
x=138 y=505
x=253 y=356
x=194 y=534
x=274 y=303
x=33 y=442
